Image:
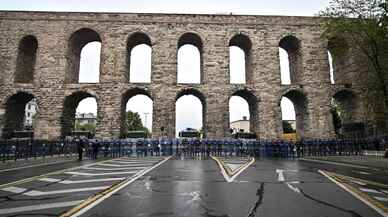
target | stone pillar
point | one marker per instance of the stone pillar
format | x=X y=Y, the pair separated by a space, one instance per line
x=316 y=84
x=267 y=84
x=163 y=120
x=216 y=79
x=48 y=120
x=109 y=114
x=164 y=80
x=217 y=115
x=49 y=78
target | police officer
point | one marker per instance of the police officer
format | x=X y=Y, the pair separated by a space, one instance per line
x=80 y=148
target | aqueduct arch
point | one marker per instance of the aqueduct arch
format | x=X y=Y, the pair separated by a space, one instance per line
x=70 y=105
x=15 y=112
x=50 y=56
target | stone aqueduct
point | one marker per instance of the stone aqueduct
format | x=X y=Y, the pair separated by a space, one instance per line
x=40 y=53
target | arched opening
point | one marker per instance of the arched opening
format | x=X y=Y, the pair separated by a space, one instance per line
x=136 y=112
x=79 y=116
x=20 y=115
x=239 y=59
x=337 y=52
x=290 y=57
x=299 y=112
x=139 y=58
x=189 y=59
x=346 y=115
x=239 y=115
x=89 y=70
x=139 y=114
x=88 y=43
x=288 y=116
x=243 y=112
x=26 y=59
x=190 y=107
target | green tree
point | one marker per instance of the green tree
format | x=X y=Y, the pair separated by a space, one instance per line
x=89 y=127
x=364 y=24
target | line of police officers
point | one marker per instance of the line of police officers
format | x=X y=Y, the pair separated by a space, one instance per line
x=226 y=147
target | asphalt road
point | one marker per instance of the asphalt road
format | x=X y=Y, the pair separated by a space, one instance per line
x=197 y=188
x=160 y=187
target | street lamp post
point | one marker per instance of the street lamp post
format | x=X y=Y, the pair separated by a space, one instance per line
x=145 y=118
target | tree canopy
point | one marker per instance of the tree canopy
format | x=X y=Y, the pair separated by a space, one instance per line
x=364 y=24
x=134 y=123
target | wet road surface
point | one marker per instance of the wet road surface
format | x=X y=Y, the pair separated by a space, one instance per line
x=196 y=187
x=55 y=193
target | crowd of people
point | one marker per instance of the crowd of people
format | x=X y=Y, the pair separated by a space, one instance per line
x=226 y=147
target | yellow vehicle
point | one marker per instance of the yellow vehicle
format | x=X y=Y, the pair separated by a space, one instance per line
x=290 y=136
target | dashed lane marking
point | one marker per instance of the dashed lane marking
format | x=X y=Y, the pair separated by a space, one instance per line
x=13 y=189
x=39 y=207
x=100 y=174
x=95 y=200
x=358 y=182
x=34 y=193
x=361 y=172
x=368 y=190
x=113 y=169
x=68 y=182
x=125 y=165
x=383 y=199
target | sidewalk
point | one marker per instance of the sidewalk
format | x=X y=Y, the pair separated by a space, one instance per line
x=30 y=162
x=367 y=161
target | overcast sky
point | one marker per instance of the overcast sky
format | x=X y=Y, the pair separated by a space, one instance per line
x=188 y=108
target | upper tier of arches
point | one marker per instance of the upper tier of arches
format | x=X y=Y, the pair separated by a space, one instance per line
x=290 y=46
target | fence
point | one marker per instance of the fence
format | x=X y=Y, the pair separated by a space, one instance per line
x=25 y=148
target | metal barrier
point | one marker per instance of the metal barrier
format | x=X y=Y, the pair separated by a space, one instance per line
x=15 y=149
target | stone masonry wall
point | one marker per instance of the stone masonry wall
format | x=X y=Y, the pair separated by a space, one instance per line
x=54 y=29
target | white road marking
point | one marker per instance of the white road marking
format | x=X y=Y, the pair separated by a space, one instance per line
x=113 y=169
x=381 y=199
x=15 y=190
x=280 y=175
x=67 y=182
x=370 y=190
x=132 y=162
x=34 y=193
x=39 y=207
x=361 y=172
x=233 y=166
x=293 y=187
x=126 y=183
x=100 y=174
x=36 y=165
x=377 y=209
x=224 y=173
x=358 y=182
x=47 y=174
x=125 y=165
